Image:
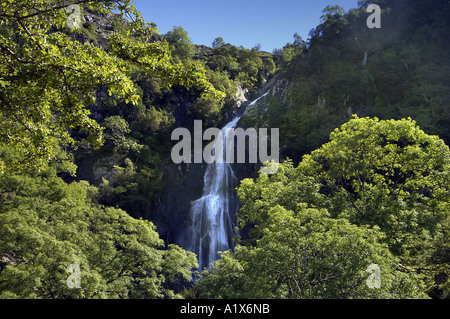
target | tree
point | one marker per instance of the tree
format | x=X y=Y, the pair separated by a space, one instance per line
x=332 y=12
x=47 y=80
x=116 y=130
x=269 y=66
x=332 y=23
x=257 y=47
x=376 y=194
x=208 y=109
x=291 y=50
x=180 y=43
x=48 y=228
x=306 y=254
x=218 y=42
x=385 y=173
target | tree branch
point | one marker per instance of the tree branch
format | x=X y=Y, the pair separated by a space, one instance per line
x=58 y=7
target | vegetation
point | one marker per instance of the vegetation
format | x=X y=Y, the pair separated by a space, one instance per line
x=346 y=68
x=305 y=254
x=47 y=225
x=363 y=198
x=352 y=180
x=87 y=109
x=47 y=80
x=247 y=67
x=92 y=92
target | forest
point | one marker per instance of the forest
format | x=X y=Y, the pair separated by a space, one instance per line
x=358 y=209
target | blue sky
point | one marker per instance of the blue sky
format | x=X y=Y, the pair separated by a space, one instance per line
x=239 y=22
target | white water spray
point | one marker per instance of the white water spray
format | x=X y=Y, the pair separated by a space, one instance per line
x=214 y=213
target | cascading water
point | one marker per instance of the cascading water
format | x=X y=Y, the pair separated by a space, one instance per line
x=214 y=213
x=366 y=56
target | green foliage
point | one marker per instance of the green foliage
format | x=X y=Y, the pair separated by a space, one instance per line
x=306 y=254
x=394 y=72
x=372 y=192
x=248 y=67
x=286 y=188
x=47 y=225
x=373 y=173
x=364 y=198
x=218 y=42
x=47 y=80
x=116 y=129
x=437 y=262
x=153 y=120
x=269 y=66
x=332 y=21
x=291 y=50
x=90 y=30
x=208 y=109
x=155 y=58
x=118 y=25
x=180 y=43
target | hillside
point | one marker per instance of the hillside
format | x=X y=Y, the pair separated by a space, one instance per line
x=87 y=184
x=397 y=71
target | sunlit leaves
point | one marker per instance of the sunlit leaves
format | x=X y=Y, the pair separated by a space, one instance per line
x=385 y=173
x=48 y=81
x=306 y=254
x=377 y=193
x=47 y=225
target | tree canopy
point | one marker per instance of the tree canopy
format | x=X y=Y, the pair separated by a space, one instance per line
x=365 y=198
x=89 y=95
x=47 y=81
x=47 y=225
x=385 y=173
x=305 y=254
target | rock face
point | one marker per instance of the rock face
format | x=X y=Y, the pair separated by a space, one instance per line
x=171 y=215
x=256 y=114
x=185 y=182
x=241 y=96
x=280 y=88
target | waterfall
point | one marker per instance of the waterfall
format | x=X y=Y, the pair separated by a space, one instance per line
x=365 y=59
x=213 y=215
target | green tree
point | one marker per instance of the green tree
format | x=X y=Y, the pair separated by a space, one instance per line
x=208 y=109
x=47 y=80
x=257 y=47
x=47 y=225
x=376 y=193
x=218 y=42
x=306 y=254
x=269 y=66
x=385 y=173
x=333 y=21
x=180 y=43
x=332 y=12
x=116 y=130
